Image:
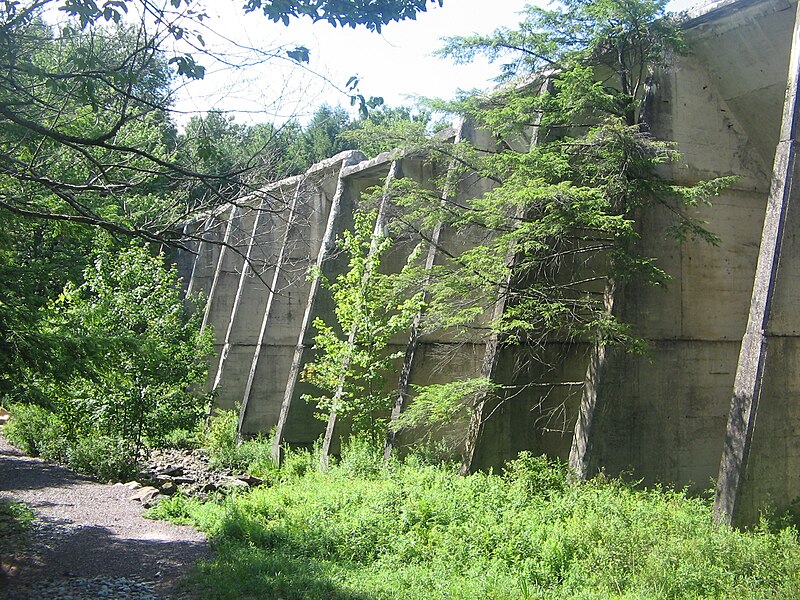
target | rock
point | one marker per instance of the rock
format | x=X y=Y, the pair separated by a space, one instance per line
x=184 y=479
x=233 y=483
x=251 y=480
x=4 y=416
x=145 y=495
x=168 y=488
x=173 y=471
x=132 y=485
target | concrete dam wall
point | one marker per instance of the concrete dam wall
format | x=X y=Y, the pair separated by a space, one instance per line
x=724 y=333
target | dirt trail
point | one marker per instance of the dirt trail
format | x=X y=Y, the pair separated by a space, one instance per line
x=89 y=540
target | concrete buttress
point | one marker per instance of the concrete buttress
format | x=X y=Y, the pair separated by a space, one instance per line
x=762 y=435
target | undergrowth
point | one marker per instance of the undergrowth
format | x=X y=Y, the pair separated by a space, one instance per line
x=16 y=519
x=40 y=432
x=227 y=451
x=407 y=530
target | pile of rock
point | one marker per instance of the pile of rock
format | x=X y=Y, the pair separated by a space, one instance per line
x=169 y=471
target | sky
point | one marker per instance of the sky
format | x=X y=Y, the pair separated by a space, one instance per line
x=395 y=64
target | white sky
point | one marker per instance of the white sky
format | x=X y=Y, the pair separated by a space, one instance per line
x=395 y=64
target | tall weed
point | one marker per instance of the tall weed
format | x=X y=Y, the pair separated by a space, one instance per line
x=368 y=529
x=227 y=452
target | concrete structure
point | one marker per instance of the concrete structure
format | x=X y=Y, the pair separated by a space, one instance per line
x=668 y=416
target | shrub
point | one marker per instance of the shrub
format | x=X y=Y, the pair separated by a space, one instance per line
x=37 y=431
x=226 y=451
x=536 y=474
x=180 y=439
x=40 y=432
x=360 y=458
x=221 y=440
x=108 y=458
x=130 y=352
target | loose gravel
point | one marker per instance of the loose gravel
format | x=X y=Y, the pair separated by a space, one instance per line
x=89 y=539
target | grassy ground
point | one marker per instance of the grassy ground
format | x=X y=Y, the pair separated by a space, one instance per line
x=366 y=529
x=15 y=523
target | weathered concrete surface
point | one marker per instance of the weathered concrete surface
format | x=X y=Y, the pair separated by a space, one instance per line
x=661 y=416
x=760 y=443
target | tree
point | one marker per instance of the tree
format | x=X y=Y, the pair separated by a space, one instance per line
x=127 y=353
x=242 y=157
x=322 y=137
x=353 y=355
x=574 y=167
x=387 y=128
x=87 y=141
x=373 y=15
x=95 y=94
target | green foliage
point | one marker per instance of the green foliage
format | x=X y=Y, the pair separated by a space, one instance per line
x=221 y=440
x=16 y=520
x=387 y=129
x=582 y=42
x=557 y=235
x=37 y=432
x=241 y=157
x=14 y=517
x=561 y=225
x=137 y=354
x=226 y=451
x=40 y=432
x=183 y=439
x=110 y=458
x=372 y=15
x=123 y=357
x=85 y=130
x=84 y=133
x=370 y=529
x=536 y=475
x=437 y=405
x=322 y=137
x=353 y=355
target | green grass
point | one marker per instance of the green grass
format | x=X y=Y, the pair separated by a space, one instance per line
x=16 y=519
x=366 y=529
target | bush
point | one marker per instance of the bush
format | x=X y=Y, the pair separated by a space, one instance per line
x=180 y=439
x=220 y=440
x=40 y=432
x=360 y=458
x=537 y=475
x=227 y=452
x=37 y=432
x=108 y=458
x=130 y=354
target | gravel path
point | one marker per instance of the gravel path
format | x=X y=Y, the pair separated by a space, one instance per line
x=89 y=539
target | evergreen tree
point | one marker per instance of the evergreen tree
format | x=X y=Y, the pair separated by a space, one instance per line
x=574 y=166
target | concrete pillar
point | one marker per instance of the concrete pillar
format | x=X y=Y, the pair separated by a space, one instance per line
x=580 y=450
x=218 y=269
x=331 y=430
x=339 y=218
x=485 y=403
x=204 y=229
x=226 y=344
x=271 y=293
x=401 y=400
x=760 y=459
